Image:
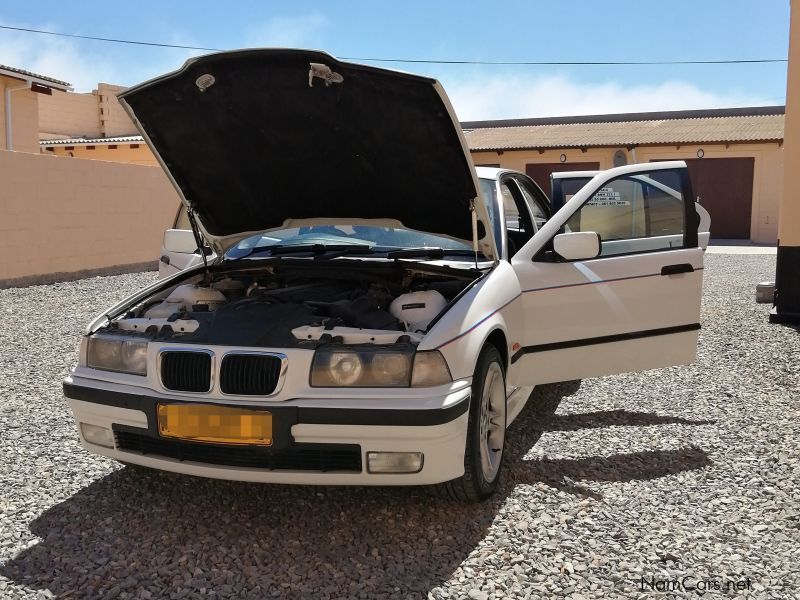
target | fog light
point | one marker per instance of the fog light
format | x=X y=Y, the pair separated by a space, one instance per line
x=394 y=462
x=99 y=436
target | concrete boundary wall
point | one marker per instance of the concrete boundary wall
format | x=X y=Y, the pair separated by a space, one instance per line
x=62 y=217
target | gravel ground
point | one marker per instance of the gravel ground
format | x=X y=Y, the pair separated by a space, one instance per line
x=682 y=472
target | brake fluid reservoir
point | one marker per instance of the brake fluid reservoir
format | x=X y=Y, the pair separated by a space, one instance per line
x=417 y=309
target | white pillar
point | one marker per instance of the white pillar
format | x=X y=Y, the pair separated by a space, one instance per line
x=787 y=271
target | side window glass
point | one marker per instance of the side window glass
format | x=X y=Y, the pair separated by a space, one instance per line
x=635 y=213
x=489 y=197
x=539 y=216
x=565 y=188
x=182 y=220
x=510 y=210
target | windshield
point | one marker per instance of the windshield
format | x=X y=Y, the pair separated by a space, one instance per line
x=375 y=240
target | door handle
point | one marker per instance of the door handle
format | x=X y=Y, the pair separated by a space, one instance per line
x=676 y=269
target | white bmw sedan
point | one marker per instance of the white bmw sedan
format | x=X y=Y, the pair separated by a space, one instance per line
x=371 y=316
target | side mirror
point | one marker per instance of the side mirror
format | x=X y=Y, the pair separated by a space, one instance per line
x=179 y=240
x=578 y=245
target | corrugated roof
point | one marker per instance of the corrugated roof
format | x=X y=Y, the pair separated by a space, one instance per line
x=704 y=130
x=739 y=111
x=41 y=79
x=124 y=139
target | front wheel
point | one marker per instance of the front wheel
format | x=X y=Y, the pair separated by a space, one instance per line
x=486 y=431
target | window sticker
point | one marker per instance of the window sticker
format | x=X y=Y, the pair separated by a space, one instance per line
x=607 y=197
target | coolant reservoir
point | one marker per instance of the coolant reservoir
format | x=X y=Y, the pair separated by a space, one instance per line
x=417 y=309
x=183 y=297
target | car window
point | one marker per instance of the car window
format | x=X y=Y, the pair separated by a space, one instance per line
x=182 y=219
x=519 y=225
x=565 y=188
x=490 y=198
x=635 y=214
x=539 y=215
x=510 y=210
x=379 y=239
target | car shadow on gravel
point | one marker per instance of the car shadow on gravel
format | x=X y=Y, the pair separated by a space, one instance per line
x=137 y=529
x=561 y=474
x=609 y=418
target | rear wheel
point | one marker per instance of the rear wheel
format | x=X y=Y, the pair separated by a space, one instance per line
x=486 y=431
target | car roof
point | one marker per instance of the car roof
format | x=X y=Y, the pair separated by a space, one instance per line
x=493 y=172
x=573 y=174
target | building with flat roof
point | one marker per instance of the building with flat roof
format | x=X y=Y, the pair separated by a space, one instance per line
x=734 y=155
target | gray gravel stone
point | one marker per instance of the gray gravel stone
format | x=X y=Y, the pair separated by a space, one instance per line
x=689 y=470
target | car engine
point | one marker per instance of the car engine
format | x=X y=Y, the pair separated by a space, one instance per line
x=283 y=310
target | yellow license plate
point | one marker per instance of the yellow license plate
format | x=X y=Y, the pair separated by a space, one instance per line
x=217 y=424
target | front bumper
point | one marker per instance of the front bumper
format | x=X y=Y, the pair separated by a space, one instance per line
x=308 y=428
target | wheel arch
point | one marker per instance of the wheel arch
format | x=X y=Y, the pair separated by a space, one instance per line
x=497 y=338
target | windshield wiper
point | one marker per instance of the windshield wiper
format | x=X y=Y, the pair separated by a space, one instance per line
x=318 y=250
x=428 y=252
x=321 y=248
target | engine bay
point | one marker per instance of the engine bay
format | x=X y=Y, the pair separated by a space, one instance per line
x=285 y=308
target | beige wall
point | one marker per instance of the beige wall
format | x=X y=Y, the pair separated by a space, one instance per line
x=66 y=114
x=59 y=215
x=123 y=153
x=767 y=170
x=113 y=118
x=99 y=114
x=517 y=159
x=790 y=207
x=24 y=114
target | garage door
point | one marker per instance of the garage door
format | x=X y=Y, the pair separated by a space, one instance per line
x=540 y=172
x=725 y=187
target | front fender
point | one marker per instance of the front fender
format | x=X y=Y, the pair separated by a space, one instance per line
x=463 y=330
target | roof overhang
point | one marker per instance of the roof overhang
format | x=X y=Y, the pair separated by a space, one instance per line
x=123 y=139
x=34 y=78
x=628 y=145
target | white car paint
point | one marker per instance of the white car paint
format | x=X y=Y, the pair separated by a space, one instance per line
x=539 y=309
x=516 y=313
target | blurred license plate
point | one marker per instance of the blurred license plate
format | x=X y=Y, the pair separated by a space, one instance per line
x=217 y=424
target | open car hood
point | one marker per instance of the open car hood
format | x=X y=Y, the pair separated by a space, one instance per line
x=253 y=138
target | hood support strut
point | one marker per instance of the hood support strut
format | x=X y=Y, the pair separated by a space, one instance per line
x=198 y=237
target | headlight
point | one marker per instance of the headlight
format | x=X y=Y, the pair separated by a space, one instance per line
x=430 y=369
x=117 y=354
x=377 y=367
x=345 y=368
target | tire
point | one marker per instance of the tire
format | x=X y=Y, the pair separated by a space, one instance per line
x=486 y=428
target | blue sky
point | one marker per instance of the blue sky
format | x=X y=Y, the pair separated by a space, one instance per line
x=533 y=30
